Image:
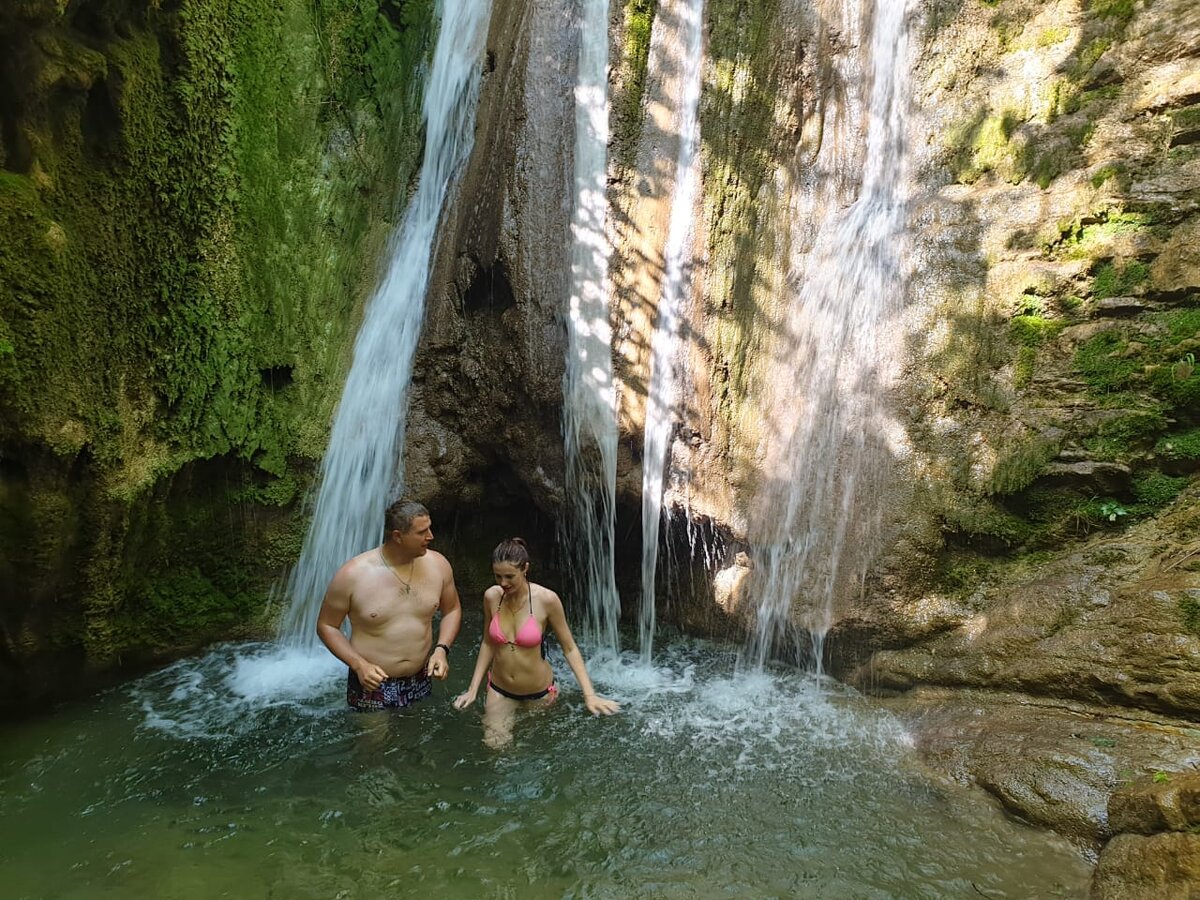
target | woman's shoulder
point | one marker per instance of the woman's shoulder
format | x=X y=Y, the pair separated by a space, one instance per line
x=545 y=595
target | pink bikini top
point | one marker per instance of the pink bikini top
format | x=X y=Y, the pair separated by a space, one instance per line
x=528 y=635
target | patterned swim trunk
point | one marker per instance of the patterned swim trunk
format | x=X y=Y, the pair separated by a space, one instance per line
x=394 y=693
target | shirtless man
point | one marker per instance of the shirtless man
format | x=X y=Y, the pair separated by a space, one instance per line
x=390 y=594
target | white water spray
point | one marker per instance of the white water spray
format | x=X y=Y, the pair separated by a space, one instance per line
x=826 y=467
x=589 y=408
x=662 y=396
x=362 y=467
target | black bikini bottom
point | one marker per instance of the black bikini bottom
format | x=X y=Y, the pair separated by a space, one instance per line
x=552 y=688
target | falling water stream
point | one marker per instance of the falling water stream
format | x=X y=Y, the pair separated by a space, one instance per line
x=825 y=468
x=661 y=398
x=589 y=397
x=361 y=470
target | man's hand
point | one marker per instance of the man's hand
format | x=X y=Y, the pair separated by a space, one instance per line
x=370 y=676
x=438 y=666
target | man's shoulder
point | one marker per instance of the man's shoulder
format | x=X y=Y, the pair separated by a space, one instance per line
x=354 y=564
x=438 y=560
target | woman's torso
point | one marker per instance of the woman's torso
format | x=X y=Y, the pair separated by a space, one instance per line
x=516 y=630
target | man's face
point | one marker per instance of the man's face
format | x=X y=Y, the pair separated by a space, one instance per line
x=417 y=539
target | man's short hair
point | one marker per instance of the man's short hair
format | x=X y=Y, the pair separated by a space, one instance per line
x=399 y=516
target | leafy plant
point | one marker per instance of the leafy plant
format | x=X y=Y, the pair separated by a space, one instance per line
x=1112 y=510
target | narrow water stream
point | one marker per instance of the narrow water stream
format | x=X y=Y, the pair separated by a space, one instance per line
x=189 y=783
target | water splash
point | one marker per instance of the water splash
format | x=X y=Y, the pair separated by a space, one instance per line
x=589 y=401
x=362 y=469
x=818 y=522
x=661 y=399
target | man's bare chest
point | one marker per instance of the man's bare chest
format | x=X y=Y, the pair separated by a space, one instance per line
x=383 y=601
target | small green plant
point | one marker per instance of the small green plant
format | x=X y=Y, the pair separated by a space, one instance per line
x=1161 y=778
x=1103 y=742
x=1112 y=510
x=6 y=347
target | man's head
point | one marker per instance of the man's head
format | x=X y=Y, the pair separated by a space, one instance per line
x=407 y=523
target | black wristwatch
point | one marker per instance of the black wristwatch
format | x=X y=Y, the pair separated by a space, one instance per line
x=445 y=647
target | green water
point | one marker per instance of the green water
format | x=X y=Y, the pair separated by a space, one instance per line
x=203 y=781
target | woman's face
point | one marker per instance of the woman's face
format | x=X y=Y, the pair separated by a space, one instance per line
x=510 y=577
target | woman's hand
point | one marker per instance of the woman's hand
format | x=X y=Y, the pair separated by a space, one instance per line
x=601 y=706
x=465 y=699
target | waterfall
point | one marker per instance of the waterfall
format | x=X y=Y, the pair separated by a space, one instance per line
x=662 y=395
x=362 y=469
x=826 y=464
x=589 y=398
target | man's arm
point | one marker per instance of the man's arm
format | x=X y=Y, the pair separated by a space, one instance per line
x=334 y=609
x=451 y=610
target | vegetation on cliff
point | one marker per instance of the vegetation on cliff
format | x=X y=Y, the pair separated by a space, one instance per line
x=192 y=196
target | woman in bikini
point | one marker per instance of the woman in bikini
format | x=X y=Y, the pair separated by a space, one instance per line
x=516 y=613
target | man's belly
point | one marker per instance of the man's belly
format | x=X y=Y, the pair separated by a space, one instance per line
x=399 y=649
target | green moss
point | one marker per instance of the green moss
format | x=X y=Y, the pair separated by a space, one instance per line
x=1120 y=11
x=182 y=608
x=1033 y=331
x=1029 y=332
x=1103 y=364
x=741 y=149
x=1153 y=490
x=184 y=258
x=1182 y=324
x=1186 y=119
x=1087 y=57
x=1118 y=437
x=1025 y=365
x=1048 y=37
x=963 y=575
x=1185 y=446
x=984 y=144
x=1117 y=171
x=1110 y=281
x=1189 y=612
x=1079 y=241
x=987 y=526
x=630 y=79
x=1018 y=466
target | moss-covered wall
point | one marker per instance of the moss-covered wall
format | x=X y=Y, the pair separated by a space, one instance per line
x=1067 y=320
x=193 y=196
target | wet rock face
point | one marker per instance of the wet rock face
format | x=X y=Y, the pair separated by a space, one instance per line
x=1053 y=394
x=1156 y=850
x=1111 y=623
x=1162 y=867
x=485 y=424
x=1166 y=804
x=1055 y=764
